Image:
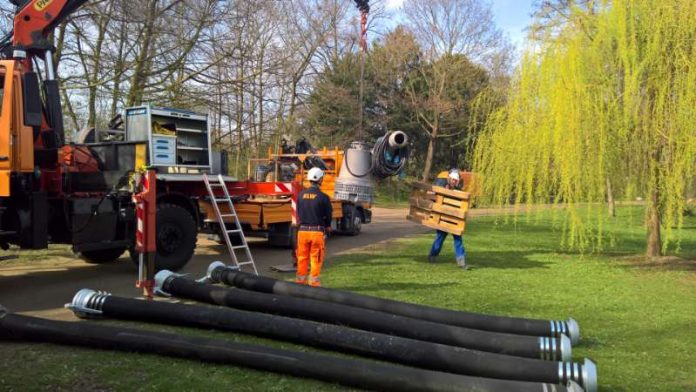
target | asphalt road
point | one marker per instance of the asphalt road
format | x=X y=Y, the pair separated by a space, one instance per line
x=41 y=288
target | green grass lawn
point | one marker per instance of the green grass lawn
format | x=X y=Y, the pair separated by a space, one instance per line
x=637 y=318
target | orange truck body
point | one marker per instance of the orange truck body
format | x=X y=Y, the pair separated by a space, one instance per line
x=261 y=210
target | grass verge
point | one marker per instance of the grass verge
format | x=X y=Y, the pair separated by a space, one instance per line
x=637 y=318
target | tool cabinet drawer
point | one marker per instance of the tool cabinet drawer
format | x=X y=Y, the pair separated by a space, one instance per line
x=159 y=158
x=163 y=145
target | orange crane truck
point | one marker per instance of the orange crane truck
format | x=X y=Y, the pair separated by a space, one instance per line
x=81 y=194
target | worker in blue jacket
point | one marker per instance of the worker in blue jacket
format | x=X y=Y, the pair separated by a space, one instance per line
x=314 y=213
x=454 y=182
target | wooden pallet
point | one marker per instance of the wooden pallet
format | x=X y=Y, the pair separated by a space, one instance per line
x=421 y=202
x=439 y=208
x=418 y=215
x=450 y=202
x=447 y=223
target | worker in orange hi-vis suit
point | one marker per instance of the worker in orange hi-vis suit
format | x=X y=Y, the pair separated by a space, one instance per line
x=314 y=214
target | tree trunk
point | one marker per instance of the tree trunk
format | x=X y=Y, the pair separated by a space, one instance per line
x=432 y=137
x=119 y=68
x=135 y=94
x=240 y=117
x=429 y=158
x=102 y=23
x=67 y=107
x=654 y=239
x=611 y=203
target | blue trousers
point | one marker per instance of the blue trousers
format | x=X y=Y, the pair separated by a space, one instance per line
x=459 y=250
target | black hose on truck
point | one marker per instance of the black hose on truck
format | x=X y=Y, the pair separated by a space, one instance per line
x=87 y=303
x=351 y=372
x=370 y=320
x=219 y=273
x=389 y=154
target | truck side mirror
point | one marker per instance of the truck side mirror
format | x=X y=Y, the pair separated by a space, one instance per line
x=32 y=100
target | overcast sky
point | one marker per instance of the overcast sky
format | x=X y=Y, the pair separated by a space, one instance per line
x=512 y=16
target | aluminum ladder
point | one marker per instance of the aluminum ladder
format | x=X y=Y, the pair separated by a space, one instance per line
x=212 y=186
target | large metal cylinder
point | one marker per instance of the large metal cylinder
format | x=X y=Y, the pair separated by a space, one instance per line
x=518 y=345
x=354 y=182
x=219 y=273
x=351 y=372
x=411 y=352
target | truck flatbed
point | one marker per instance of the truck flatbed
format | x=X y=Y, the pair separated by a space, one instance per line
x=186 y=177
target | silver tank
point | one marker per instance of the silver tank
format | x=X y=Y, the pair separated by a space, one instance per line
x=354 y=182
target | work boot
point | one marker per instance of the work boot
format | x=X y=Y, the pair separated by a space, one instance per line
x=461 y=261
x=432 y=259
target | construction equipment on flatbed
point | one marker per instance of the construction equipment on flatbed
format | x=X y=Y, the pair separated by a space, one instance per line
x=269 y=211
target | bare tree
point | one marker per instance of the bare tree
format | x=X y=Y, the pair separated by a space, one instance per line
x=452 y=33
x=250 y=64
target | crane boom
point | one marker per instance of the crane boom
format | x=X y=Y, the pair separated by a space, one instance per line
x=36 y=19
x=34 y=22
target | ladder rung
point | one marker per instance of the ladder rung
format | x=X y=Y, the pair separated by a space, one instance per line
x=215 y=199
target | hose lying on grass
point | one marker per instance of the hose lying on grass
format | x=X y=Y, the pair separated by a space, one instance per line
x=218 y=272
x=87 y=303
x=351 y=372
x=522 y=346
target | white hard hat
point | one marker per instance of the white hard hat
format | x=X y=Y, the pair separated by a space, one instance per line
x=454 y=174
x=315 y=174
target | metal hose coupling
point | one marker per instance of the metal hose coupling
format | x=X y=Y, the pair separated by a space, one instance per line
x=162 y=279
x=584 y=374
x=214 y=270
x=572 y=386
x=573 y=330
x=397 y=139
x=569 y=328
x=555 y=349
x=88 y=303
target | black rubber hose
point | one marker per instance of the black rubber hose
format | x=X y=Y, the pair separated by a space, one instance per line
x=351 y=372
x=406 y=351
x=218 y=273
x=370 y=320
x=387 y=161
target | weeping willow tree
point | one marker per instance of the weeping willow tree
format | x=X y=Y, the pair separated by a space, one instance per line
x=607 y=105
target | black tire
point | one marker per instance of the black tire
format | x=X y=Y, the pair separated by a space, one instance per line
x=177 y=234
x=354 y=226
x=102 y=256
x=357 y=223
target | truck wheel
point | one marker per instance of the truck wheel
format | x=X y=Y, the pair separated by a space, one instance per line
x=356 y=225
x=102 y=255
x=176 y=238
